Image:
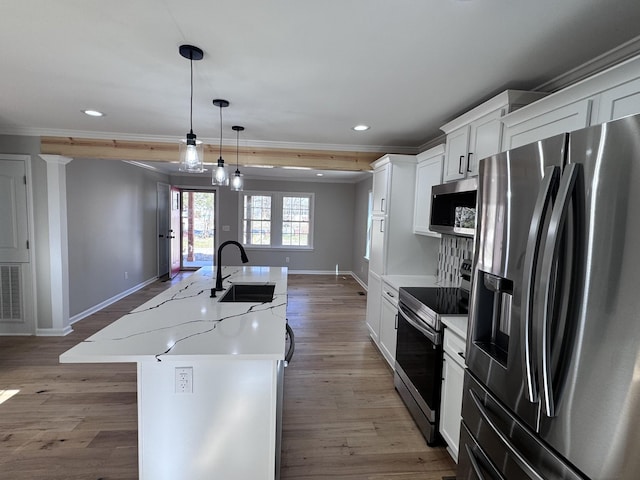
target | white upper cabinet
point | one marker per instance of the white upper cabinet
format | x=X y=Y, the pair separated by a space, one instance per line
x=611 y=94
x=428 y=174
x=554 y=122
x=381 y=183
x=619 y=102
x=455 y=165
x=478 y=133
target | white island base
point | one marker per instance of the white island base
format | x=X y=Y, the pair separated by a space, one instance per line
x=219 y=418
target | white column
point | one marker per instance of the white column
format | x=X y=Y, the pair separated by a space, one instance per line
x=58 y=245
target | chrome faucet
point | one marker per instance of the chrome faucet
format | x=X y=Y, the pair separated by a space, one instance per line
x=243 y=257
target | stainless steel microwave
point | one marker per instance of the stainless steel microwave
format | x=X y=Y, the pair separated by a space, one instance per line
x=453 y=207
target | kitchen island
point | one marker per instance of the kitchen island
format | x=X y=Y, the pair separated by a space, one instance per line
x=209 y=377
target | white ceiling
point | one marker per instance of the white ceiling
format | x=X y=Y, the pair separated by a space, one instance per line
x=298 y=73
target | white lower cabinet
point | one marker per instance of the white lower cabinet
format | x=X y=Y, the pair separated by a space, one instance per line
x=451 y=398
x=374 y=303
x=389 y=323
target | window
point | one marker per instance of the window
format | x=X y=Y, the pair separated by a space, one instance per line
x=277 y=220
x=256 y=221
x=367 y=248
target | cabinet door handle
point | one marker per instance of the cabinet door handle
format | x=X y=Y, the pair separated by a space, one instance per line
x=396 y=326
x=460 y=165
x=382 y=226
x=461 y=354
x=382 y=204
x=469 y=161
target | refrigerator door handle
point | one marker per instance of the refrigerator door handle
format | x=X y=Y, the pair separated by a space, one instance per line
x=517 y=456
x=545 y=302
x=546 y=193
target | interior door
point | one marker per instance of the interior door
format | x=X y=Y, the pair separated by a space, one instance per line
x=163 y=225
x=16 y=314
x=174 y=231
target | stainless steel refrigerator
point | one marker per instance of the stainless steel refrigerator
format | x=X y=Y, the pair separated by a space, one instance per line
x=552 y=387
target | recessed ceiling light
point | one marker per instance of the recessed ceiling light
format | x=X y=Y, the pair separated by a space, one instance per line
x=93 y=113
x=361 y=128
x=319 y=174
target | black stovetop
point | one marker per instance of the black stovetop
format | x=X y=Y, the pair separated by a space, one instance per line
x=441 y=300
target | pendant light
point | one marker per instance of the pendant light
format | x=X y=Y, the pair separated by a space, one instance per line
x=220 y=174
x=191 y=149
x=236 y=181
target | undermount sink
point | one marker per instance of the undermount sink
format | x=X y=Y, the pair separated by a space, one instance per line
x=249 y=292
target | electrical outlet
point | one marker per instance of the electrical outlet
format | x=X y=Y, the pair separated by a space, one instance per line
x=184 y=379
x=286 y=259
x=126 y=275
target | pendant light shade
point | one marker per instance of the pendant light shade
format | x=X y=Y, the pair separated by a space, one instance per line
x=220 y=173
x=236 y=180
x=191 y=149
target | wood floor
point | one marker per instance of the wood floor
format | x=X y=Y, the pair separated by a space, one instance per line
x=342 y=417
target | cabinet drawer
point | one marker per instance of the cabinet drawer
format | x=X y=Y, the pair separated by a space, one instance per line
x=390 y=294
x=455 y=346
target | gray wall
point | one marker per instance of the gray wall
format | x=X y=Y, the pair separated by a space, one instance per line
x=333 y=229
x=360 y=264
x=111 y=207
x=31 y=146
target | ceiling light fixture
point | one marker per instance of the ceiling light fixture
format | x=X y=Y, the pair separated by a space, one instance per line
x=220 y=175
x=287 y=167
x=236 y=181
x=191 y=149
x=361 y=128
x=93 y=113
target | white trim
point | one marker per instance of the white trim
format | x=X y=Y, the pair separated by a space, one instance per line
x=58 y=241
x=321 y=272
x=612 y=58
x=359 y=280
x=54 y=332
x=110 y=301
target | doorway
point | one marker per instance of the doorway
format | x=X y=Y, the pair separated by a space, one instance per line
x=198 y=228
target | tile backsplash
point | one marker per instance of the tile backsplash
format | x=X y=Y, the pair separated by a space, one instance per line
x=452 y=251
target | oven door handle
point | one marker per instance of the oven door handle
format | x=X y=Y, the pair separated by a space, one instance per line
x=411 y=318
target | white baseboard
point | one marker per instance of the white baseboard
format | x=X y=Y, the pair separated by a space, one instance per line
x=320 y=272
x=330 y=272
x=359 y=280
x=109 y=301
x=54 y=332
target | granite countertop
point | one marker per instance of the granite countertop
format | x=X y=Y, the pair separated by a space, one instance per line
x=184 y=323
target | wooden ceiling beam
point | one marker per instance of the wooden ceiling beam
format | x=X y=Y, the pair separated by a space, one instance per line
x=168 y=152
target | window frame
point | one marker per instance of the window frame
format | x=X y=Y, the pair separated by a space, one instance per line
x=276 y=219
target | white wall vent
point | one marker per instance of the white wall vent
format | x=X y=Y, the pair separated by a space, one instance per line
x=10 y=293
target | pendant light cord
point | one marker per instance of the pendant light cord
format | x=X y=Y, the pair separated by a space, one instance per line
x=191 y=96
x=220 y=130
x=237 y=146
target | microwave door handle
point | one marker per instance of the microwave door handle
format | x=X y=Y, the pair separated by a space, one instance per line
x=543 y=203
x=522 y=462
x=545 y=301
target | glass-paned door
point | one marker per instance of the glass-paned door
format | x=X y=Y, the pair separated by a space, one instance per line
x=198 y=228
